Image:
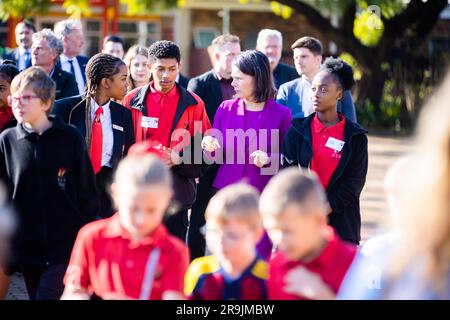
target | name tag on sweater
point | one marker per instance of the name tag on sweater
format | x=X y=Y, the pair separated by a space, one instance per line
x=335 y=144
x=115 y=126
x=149 y=122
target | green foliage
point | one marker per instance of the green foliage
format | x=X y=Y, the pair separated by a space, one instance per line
x=391 y=106
x=77 y=8
x=22 y=8
x=328 y=7
x=389 y=8
x=140 y=7
x=368 y=28
x=347 y=57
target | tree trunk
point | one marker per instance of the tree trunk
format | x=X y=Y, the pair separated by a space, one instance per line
x=371 y=88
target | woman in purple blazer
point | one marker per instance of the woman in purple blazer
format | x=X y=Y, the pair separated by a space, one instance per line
x=248 y=131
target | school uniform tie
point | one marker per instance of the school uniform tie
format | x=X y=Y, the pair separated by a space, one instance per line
x=97 y=141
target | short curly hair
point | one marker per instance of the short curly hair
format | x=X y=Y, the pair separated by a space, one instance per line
x=8 y=72
x=341 y=70
x=164 y=49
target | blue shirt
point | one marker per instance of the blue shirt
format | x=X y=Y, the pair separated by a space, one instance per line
x=291 y=95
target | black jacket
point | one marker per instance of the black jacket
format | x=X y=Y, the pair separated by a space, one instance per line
x=183 y=81
x=184 y=175
x=51 y=183
x=82 y=62
x=347 y=181
x=14 y=55
x=73 y=111
x=66 y=85
x=207 y=87
x=283 y=73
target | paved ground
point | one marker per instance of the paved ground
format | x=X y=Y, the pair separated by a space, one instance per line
x=382 y=153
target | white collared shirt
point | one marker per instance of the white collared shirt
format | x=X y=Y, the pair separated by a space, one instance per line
x=65 y=65
x=108 y=136
x=22 y=59
x=306 y=96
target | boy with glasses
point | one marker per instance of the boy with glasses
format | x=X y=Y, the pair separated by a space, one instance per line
x=50 y=180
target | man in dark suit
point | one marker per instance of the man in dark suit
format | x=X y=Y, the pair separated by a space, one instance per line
x=270 y=42
x=73 y=111
x=183 y=80
x=46 y=49
x=70 y=33
x=212 y=87
x=22 y=54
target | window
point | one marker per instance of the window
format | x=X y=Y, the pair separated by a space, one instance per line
x=93 y=34
x=204 y=36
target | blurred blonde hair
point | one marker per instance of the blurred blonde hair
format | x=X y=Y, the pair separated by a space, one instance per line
x=238 y=201
x=424 y=200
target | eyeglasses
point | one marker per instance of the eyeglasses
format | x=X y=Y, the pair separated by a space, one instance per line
x=24 y=100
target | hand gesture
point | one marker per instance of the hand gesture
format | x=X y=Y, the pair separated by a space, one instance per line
x=260 y=158
x=210 y=144
x=302 y=282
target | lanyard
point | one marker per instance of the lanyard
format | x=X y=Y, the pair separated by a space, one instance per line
x=150 y=270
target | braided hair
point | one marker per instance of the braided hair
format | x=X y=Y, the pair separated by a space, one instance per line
x=100 y=66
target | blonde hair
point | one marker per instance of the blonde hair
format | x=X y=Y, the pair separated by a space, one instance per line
x=235 y=201
x=36 y=79
x=292 y=186
x=131 y=54
x=425 y=199
x=141 y=171
x=223 y=39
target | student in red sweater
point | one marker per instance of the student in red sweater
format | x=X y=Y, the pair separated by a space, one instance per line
x=311 y=261
x=174 y=117
x=130 y=255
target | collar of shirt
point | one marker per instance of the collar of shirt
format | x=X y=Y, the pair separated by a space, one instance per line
x=95 y=106
x=53 y=70
x=23 y=132
x=318 y=127
x=22 y=51
x=157 y=96
x=115 y=230
x=326 y=257
x=306 y=84
x=63 y=58
x=220 y=78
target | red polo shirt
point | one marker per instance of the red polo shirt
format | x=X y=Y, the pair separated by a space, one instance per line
x=325 y=159
x=160 y=106
x=105 y=260
x=331 y=265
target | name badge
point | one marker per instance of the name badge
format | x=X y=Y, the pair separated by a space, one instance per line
x=149 y=122
x=115 y=126
x=335 y=144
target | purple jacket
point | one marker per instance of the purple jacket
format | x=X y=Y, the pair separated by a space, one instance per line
x=265 y=134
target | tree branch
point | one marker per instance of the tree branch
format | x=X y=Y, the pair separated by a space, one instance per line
x=409 y=20
x=343 y=37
